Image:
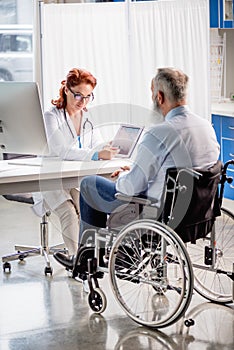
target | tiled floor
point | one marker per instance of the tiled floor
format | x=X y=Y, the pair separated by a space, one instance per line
x=44 y=312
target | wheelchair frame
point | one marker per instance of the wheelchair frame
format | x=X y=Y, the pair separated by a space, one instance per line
x=153 y=272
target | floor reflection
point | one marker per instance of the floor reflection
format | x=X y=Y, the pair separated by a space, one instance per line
x=213 y=328
x=43 y=312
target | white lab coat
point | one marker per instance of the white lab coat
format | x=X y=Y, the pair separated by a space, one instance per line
x=63 y=144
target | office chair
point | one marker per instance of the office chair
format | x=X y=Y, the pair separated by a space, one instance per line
x=29 y=251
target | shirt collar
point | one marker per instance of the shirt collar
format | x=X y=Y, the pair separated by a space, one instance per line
x=176 y=111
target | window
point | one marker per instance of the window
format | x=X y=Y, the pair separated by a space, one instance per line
x=16 y=45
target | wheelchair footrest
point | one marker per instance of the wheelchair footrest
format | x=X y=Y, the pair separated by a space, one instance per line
x=92 y=266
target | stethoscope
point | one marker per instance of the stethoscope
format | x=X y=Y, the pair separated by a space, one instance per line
x=86 y=123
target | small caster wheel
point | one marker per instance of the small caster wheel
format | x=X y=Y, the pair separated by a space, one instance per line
x=7 y=266
x=97 y=300
x=48 y=270
x=188 y=323
x=21 y=256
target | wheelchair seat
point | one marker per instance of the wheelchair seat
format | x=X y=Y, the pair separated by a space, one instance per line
x=189 y=205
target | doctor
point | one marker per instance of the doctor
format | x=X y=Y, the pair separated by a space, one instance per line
x=65 y=126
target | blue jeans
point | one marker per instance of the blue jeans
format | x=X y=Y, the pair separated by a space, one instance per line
x=97 y=200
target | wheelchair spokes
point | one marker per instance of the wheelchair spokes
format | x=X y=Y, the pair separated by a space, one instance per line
x=152 y=291
x=212 y=260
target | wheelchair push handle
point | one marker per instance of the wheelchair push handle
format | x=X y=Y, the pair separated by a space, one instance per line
x=226 y=165
x=226 y=178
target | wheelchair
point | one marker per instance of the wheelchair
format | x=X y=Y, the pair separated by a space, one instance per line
x=158 y=258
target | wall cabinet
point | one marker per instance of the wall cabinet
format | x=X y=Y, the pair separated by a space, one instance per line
x=221 y=13
x=224 y=128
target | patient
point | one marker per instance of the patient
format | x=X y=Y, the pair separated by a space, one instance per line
x=67 y=140
x=183 y=139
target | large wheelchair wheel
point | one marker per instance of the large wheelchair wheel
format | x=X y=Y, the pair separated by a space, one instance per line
x=213 y=258
x=150 y=273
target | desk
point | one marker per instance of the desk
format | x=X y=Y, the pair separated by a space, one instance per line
x=17 y=176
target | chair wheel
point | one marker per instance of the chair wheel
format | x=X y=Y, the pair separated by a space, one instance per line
x=97 y=300
x=22 y=256
x=48 y=270
x=6 y=266
x=190 y=322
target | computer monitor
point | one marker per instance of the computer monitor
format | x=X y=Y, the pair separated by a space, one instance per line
x=22 y=129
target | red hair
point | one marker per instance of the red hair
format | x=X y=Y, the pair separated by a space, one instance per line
x=74 y=77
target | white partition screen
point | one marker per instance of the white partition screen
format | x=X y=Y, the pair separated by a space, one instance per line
x=122 y=44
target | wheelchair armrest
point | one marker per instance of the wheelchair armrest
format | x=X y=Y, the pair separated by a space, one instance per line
x=191 y=172
x=133 y=199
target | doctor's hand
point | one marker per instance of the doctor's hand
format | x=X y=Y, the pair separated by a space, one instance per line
x=120 y=170
x=108 y=153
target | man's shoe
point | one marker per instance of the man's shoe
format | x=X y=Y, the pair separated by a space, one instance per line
x=65 y=260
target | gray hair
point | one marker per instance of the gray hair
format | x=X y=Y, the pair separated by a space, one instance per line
x=172 y=82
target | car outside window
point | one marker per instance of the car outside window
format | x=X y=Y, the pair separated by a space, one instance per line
x=16 y=53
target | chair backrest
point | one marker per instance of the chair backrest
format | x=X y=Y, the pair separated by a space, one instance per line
x=191 y=201
x=8 y=156
x=19 y=197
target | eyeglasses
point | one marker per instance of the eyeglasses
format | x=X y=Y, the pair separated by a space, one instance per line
x=79 y=97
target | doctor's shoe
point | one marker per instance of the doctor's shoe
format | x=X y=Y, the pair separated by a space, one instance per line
x=66 y=260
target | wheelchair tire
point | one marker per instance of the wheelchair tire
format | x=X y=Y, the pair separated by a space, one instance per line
x=150 y=273
x=212 y=281
x=97 y=301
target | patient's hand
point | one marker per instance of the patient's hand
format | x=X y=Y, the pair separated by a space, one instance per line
x=108 y=153
x=120 y=170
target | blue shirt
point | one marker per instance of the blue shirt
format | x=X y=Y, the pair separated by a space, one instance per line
x=182 y=140
x=79 y=142
x=95 y=155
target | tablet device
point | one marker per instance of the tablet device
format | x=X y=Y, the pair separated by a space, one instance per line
x=126 y=139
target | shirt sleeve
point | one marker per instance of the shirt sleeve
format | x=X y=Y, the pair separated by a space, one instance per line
x=146 y=166
x=95 y=156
